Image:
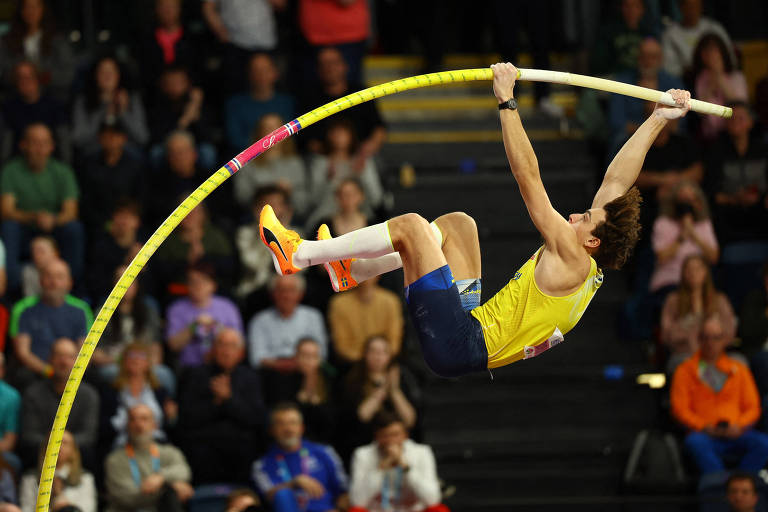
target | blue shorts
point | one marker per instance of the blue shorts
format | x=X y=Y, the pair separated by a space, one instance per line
x=451 y=338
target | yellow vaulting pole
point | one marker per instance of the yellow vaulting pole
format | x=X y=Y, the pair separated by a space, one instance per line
x=234 y=165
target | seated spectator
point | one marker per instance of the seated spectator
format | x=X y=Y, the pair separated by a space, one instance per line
x=30 y=104
x=10 y=403
x=393 y=472
x=274 y=333
x=8 y=498
x=194 y=321
x=243 y=500
x=135 y=321
x=221 y=413
x=109 y=175
x=144 y=475
x=296 y=474
x=167 y=43
x=243 y=111
x=373 y=385
x=344 y=26
x=741 y=492
x=180 y=106
x=716 y=399
x=43 y=250
x=679 y=39
x=73 y=486
x=41 y=400
x=39 y=195
x=364 y=312
x=33 y=37
x=683 y=228
x=716 y=80
x=135 y=383
x=243 y=28
x=38 y=321
x=113 y=247
x=257 y=267
x=685 y=308
x=625 y=113
x=280 y=166
x=106 y=99
x=616 y=46
x=366 y=121
x=349 y=215
x=329 y=170
x=196 y=240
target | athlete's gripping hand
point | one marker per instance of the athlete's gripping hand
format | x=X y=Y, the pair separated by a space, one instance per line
x=683 y=100
x=504 y=77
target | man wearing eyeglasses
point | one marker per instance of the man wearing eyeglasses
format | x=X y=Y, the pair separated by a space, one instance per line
x=715 y=397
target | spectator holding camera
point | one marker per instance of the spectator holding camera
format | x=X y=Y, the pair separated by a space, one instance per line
x=715 y=398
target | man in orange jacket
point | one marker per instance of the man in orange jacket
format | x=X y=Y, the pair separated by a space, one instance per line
x=716 y=398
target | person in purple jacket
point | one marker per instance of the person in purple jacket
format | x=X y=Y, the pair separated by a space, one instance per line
x=296 y=474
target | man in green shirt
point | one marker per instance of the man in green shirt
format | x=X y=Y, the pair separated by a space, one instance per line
x=39 y=196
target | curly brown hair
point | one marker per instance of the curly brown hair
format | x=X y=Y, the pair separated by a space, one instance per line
x=620 y=231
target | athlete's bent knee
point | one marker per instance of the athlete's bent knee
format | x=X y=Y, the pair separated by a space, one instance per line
x=410 y=226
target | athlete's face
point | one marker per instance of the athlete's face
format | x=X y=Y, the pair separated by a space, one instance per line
x=585 y=223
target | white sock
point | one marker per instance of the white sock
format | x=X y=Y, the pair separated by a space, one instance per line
x=364 y=269
x=368 y=242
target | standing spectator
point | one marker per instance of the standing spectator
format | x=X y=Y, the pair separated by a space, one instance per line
x=683 y=228
x=342 y=25
x=33 y=37
x=109 y=176
x=10 y=403
x=167 y=43
x=39 y=195
x=41 y=400
x=144 y=475
x=255 y=258
x=685 y=309
x=616 y=47
x=194 y=321
x=43 y=250
x=180 y=106
x=339 y=163
x=113 y=247
x=280 y=166
x=679 y=39
x=221 y=413
x=394 y=473
x=716 y=399
x=364 y=312
x=274 y=333
x=135 y=383
x=73 y=486
x=626 y=114
x=244 y=110
x=741 y=492
x=296 y=474
x=716 y=80
x=366 y=121
x=243 y=27
x=106 y=99
x=38 y=321
x=373 y=385
x=30 y=104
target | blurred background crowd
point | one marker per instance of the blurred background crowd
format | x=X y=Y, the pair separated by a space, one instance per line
x=218 y=383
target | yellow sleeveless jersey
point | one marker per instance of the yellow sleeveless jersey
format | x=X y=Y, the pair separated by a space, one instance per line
x=521 y=322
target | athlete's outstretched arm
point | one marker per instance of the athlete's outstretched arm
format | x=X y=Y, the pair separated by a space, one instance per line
x=525 y=167
x=626 y=165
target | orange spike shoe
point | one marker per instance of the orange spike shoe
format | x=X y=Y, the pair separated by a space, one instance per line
x=281 y=241
x=340 y=270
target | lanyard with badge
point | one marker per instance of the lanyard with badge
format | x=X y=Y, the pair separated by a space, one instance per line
x=393 y=481
x=286 y=475
x=154 y=453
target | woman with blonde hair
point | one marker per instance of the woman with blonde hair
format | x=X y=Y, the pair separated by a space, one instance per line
x=73 y=487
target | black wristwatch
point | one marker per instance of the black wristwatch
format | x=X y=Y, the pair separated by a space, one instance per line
x=511 y=104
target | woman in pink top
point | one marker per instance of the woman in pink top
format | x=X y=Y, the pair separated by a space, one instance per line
x=716 y=81
x=682 y=229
